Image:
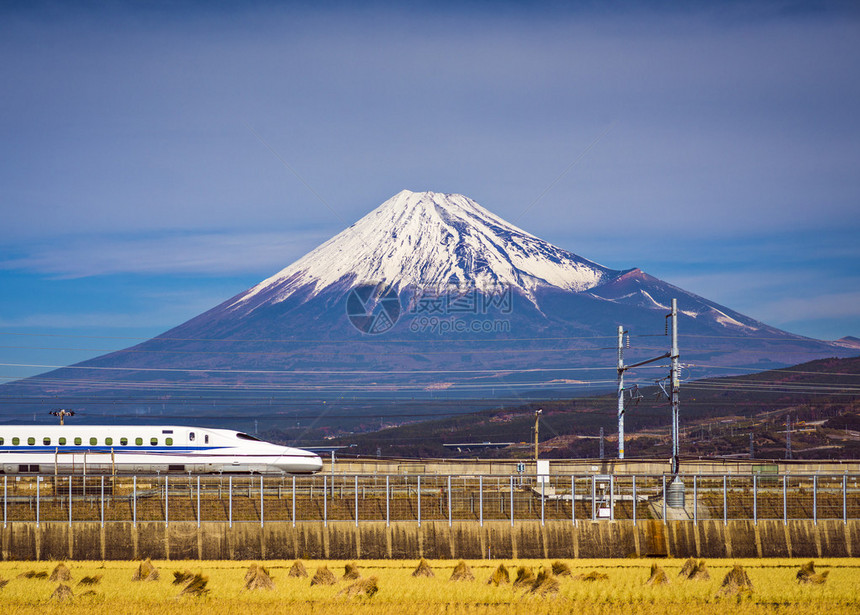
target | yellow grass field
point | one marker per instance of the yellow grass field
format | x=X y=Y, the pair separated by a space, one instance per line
x=775 y=589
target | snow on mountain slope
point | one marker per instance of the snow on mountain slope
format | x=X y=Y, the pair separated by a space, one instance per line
x=431 y=240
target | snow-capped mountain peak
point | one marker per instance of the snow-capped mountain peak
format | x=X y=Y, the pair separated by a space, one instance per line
x=431 y=240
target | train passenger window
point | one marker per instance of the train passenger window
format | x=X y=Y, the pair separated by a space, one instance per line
x=108 y=441
x=138 y=441
x=77 y=441
x=94 y=441
x=31 y=441
x=2 y=441
x=206 y=439
x=46 y=441
x=16 y=441
x=62 y=441
x=153 y=441
x=191 y=436
x=168 y=441
x=123 y=441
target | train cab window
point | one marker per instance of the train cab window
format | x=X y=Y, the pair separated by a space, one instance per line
x=123 y=441
x=62 y=441
x=46 y=441
x=16 y=441
x=78 y=441
x=108 y=441
x=94 y=441
x=191 y=436
x=244 y=436
x=168 y=441
x=138 y=441
x=153 y=441
x=31 y=441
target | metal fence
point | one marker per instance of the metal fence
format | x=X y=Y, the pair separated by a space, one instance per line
x=420 y=498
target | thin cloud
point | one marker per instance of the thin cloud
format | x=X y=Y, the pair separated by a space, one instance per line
x=207 y=254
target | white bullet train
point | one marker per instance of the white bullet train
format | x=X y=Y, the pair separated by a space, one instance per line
x=120 y=449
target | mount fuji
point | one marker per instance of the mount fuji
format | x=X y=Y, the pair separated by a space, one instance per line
x=429 y=292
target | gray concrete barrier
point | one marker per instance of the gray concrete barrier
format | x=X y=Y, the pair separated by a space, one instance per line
x=432 y=539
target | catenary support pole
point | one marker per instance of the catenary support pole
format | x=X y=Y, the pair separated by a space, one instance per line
x=676 y=387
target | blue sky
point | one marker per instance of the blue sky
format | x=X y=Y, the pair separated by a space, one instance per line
x=714 y=146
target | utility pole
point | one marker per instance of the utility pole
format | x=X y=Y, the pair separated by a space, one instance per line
x=537 y=426
x=620 y=395
x=788 y=437
x=676 y=385
x=752 y=446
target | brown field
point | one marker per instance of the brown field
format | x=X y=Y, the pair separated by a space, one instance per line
x=775 y=589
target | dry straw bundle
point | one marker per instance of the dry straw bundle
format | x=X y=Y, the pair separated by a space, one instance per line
x=298 y=570
x=363 y=588
x=60 y=574
x=592 y=576
x=560 y=569
x=807 y=575
x=500 y=576
x=93 y=580
x=62 y=593
x=423 y=569
x=3 y=582
x=658 y=576
x=258 y=577
x=32 y=574
x=462 y=572
x=525 y=578
x=736 y=581
x=323 y=576
x=196 y=587
x=545 y=583
x=695 y=570
x=145 y=572
x=350 y=572
x=181 y=577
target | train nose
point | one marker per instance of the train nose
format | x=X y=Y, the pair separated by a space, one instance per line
x=299 y=462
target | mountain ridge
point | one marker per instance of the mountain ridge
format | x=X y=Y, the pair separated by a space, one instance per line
x=428 y=292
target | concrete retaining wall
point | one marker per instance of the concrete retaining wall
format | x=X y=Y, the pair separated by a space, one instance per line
x=374 y=540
